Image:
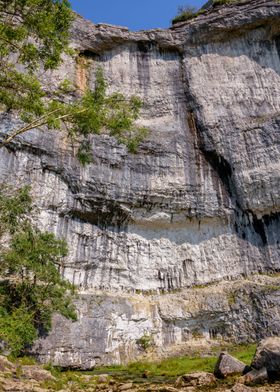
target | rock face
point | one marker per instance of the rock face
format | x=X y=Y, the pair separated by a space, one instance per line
x=199 y=203
x=268 y=356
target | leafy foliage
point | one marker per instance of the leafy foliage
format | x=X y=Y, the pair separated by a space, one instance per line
x=13 y=207
x=31 y=288
x=36 y=31
x=145 y=341
x=17 y=329
x=34 y=34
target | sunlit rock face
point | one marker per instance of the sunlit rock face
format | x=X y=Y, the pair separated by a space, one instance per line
x=199 y=202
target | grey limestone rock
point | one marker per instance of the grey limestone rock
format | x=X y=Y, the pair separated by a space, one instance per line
x=6 y=365
x=34 y=372
x=126 y=387
x=228 y=365
x=241 y=388
x=196 y=379
x=254 y=377
x=102 y=378
x=110 y=325
x=199 y=203
x=268 y=356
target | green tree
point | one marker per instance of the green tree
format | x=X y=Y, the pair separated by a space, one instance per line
x=31 y=287
x=33 y=36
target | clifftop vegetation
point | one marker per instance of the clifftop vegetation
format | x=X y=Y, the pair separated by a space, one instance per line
x=187 y=12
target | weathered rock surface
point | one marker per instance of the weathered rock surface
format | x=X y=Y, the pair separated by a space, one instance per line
x=6 y=365
x=22 y=380
x=268 y=356
x=228 y=365
x=259 y=376
x=102 y=378
x=36 y=373
x=196 y=379
x=199 y=203
x=9 y=385
x=126 y=387
x=14 y=377
x=241 y=388
x=178 y=320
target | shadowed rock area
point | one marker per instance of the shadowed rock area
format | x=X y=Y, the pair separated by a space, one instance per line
x=198 y=204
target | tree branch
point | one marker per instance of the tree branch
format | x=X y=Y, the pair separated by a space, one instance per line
x=37 y=123
x=34 y=124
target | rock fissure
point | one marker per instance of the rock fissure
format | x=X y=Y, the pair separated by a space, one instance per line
x=197 y=206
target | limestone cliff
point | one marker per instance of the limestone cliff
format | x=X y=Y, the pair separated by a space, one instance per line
x=199 y=203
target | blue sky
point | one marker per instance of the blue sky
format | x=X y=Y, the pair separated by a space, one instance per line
x=135 y=14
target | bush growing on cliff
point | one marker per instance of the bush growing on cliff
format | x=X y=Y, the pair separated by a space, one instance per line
x=31 y=288
x=187 y=13
x=33 y=36
x=222 y=2
x=144 y=342
x=184 y=13
x=215 y=3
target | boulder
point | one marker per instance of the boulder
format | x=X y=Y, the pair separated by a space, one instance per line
x=5 y=365
x=255 y=376
x=195 y=379
x=12 y=385
x=126 y=387
x=228 y=365
x=268 y=356
x=241 y=388
x=179 y=382
x=34 y=372
x=102 y=378
x=167 y=389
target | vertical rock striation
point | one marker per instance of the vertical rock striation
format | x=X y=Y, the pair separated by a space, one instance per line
x=199 y=203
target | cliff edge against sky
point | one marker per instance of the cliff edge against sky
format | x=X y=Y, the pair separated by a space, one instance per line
x=198 y=204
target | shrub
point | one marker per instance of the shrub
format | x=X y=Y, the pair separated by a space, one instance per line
x=17 y=329
x=185 y=13
x=145 y=342
x=223 y=2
